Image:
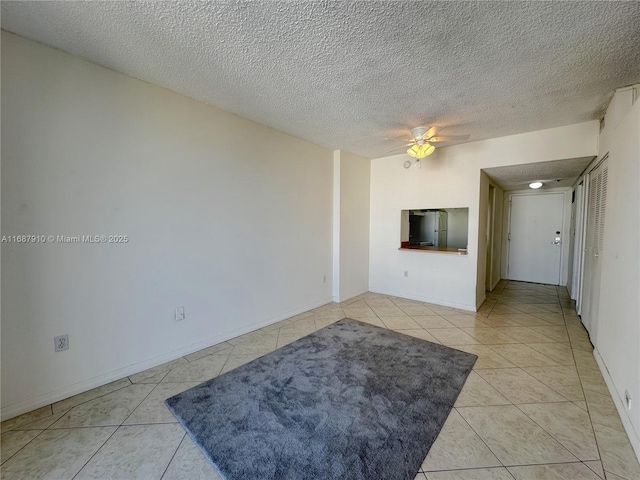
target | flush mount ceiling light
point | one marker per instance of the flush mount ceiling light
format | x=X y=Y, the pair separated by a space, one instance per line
x=535 y=185
x=421 y=150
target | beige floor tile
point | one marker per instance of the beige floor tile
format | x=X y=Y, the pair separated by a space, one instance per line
x=499 y=473
x=305 y=325
x=330 y=309
x=592 y=380
x=44 y=423
x=439 y=309
x=522 y=355
x=400 y=323
x=404 y=301
x=568 y=424
x=616 y=453
x=155 y=371
x=388 y=311
x=274 y=327
x=137 y=451
x=110 y=409
x=379 y=301
x=156 y=378
x=458 y=446
x=71 y=402
x=12 y=442
x=596 y=466
x=361 y=312
x=582 y=405
x=235 y=361
x=199 y=370
x=524 y=334
x=513 y=437
x=613 y=476
x=56 y=454
x=189 y=463
x=283 y=339
x=500 y=321
x=502 y=309
x=530 y=309
x=555 y=318
x=418 y=310
x=25 y=418
x=153 y=409
x=563 y=379
x=452 y=336
x=419 y=333
x=432 y=321
x=584 y=345
x=566 y=471
x=559 y=334
x=602 y=410
x=465 y=320
x=476 y=391
x=585 y=359
x=219 y=348
x=519 y=387
x=263 y=344
x=371 y=321
x=525 y=319
x=489 y=336
x=487 y=358
x=558 y=352
x=326 y=321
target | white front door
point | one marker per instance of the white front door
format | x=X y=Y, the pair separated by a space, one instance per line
x=535 y=237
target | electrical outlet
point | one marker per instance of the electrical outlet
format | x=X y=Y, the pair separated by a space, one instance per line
x=61 y=343
x=180 y=314
x=627 y=399
x=324 y=279
x=406 y=273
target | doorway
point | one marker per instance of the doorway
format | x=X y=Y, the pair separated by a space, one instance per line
x=536 y=225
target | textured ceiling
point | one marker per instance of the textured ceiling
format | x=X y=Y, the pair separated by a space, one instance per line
x=559 y=173
x=348 y=74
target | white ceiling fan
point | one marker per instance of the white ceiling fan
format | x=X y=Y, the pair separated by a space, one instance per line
x=423 y=138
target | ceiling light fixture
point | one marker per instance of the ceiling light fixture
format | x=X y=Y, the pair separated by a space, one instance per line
x=535 y=185
x=421 y=150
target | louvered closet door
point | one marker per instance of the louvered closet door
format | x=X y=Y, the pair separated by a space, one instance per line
x=596 y=217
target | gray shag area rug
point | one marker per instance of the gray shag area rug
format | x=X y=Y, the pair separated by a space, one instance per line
x=350 y=401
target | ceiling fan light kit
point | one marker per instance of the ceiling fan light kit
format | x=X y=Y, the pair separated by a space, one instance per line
x=421 y=150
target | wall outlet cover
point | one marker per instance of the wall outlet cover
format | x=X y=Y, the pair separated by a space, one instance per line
x=61 y=343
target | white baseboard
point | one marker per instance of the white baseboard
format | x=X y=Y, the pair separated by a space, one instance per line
x=634 y=436
x=48 y=398
x=422 y=298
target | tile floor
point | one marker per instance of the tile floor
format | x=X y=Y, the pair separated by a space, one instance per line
x=534 y=407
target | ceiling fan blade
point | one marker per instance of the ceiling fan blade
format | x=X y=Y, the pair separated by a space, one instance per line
x=430 y=133
x=447 y=138
x=397 y=149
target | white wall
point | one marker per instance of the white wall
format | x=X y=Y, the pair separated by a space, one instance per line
x=228 y=218
x=618 y=338
x=355 y=173
x=451 y=178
